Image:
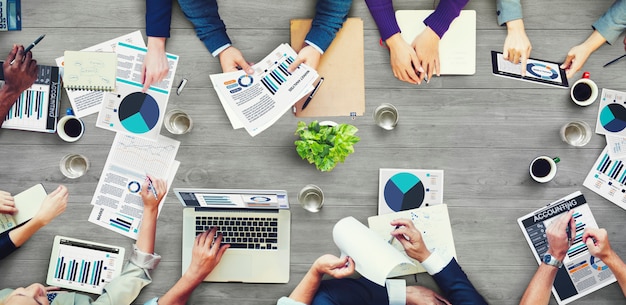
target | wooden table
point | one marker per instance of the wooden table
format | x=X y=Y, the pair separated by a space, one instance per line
x=481 y=130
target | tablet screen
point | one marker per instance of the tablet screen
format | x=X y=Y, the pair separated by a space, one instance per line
x=539 y=71
x=83 y=265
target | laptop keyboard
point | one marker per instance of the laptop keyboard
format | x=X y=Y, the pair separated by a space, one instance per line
x=243 y=232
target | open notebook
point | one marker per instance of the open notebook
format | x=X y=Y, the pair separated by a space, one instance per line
x=89 y=70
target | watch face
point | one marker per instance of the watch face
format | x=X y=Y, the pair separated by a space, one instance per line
x=547 y=258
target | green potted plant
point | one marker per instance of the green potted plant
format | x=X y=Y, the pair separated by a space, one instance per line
x=325 y=145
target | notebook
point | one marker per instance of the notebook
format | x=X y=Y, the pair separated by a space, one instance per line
x=37 y=108
x=83 y=265
x=457 y=48
x=256 y=224
x=95 y=71
x=341 y=66
x=27 y=204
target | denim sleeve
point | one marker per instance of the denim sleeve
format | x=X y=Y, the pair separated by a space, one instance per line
x=613 y=22
x=158 y=18
x=329 y=18
x=508 y=10
x=206 y=20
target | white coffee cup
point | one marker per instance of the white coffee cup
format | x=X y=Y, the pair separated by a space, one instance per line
x=543 y=168
x=70 y=128
x=584 y=91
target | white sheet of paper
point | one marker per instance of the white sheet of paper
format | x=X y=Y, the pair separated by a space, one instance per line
x=87 y=102
x=374 y=257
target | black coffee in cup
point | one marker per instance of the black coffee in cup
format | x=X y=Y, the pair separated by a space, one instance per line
x=73 y=127
x=582 y=91
x=541 y=168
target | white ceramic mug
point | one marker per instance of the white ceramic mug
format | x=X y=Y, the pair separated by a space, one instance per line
x=70 y=128
x=543 y=168
x=584 y=91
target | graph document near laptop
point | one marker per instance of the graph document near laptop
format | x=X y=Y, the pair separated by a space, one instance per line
x=256 y=224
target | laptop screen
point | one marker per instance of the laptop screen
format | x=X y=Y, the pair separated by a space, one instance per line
x=238 y=199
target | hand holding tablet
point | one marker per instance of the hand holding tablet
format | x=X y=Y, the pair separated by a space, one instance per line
x=537 y=71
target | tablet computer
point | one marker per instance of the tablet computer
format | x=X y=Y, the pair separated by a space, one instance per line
x=83 y=265
x=537 y=70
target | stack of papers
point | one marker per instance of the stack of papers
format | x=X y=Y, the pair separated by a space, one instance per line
x=256 y=101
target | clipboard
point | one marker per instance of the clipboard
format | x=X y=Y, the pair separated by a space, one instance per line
x=342 y=66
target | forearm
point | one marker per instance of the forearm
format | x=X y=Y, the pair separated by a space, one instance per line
x=181 y=291
x=147 y=230
x=384 y=15
x=515 y=26
x=447 y=10
x=594 y=41
x=617 y=266
x=538 y=291
x=329 y=18
x=21 y=234
x=307 y=288
x=7 y=99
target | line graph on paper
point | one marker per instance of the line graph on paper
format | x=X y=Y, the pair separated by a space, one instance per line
x=153 y=157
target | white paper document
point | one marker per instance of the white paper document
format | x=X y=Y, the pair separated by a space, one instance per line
x=581 y=273
x=433 y=222
x=607 y=178
x=373 y=256
x=616 y=147
x=127 y=109
x=87 y=102
x=117 y=201
x=257 y=101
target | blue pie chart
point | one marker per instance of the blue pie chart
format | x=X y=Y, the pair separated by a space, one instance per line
x=138 y=112
x=404 y=191
x=613 y=117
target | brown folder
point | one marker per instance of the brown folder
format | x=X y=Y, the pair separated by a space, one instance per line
x=341 y=66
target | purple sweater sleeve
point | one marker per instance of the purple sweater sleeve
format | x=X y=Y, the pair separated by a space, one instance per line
x=439 y=21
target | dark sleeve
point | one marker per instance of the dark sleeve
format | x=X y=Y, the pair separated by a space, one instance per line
x=456 y=287
x=440 y=20
x=6 y=245
x=206 y=20
x=385 y=17
x=158 y=18
x=329 y=18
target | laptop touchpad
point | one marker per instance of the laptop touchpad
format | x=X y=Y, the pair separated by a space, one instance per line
x=233 y=267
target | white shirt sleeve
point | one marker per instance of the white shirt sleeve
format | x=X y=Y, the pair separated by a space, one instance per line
x=435 y=263
x=396 y=290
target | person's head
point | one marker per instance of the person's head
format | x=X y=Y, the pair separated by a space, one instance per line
x=34 y=294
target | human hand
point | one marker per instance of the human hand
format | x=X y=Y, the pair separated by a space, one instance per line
x=576 y=58
x=232 y=60
x=517 y=46
x=308 y=55
x=20 y=75
x=205 y=255
x=404 y=62
x=53 y=205
x=418 y=295
x=7 y=205
x=147 y=195
x=597 y=241
x=334 y=266
x=426 y=46
x=411 y=239
x=155 y=66
x=558 y=241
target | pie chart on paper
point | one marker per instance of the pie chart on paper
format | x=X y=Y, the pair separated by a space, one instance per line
x=613 y=117
x=404 y=191
x=138 y=112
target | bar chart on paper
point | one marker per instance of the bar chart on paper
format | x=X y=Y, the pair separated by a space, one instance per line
x=607 y=177
x=85 y=264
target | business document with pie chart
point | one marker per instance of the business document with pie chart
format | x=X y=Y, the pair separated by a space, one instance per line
x=128 y=110
x=405 y=189
x=612 y=114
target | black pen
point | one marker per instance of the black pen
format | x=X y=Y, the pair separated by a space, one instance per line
x=614 y=60
x=308 y=99
x=31 y=46
x=393 y=237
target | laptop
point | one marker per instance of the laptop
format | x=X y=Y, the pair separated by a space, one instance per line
x=457 y=48
x=256 y=224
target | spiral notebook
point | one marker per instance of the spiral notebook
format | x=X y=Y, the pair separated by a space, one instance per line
x=95 y=71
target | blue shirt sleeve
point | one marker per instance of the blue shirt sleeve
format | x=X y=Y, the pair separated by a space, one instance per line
x=6 y=245
x=613 y=22
x=205 y=18
x=508 y=10
x=329 y=18
x=456 y=287
x=158 y=18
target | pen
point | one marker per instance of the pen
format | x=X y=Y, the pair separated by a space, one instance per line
x=151 y=187
x=308 y=99
x=614 y=60
x=393 y=237
x=181 y=86
x=31 y=46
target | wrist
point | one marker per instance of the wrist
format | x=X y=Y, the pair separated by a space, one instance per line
x=193 y=277
x=515 y=26
x=394 y=41
x=156 y=42
x=422 y=256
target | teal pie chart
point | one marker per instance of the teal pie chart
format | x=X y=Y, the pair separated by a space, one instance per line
x=404 y=191
x=613 y=117
x=138 y=112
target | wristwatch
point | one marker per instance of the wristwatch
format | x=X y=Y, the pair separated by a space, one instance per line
x=552 y=261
